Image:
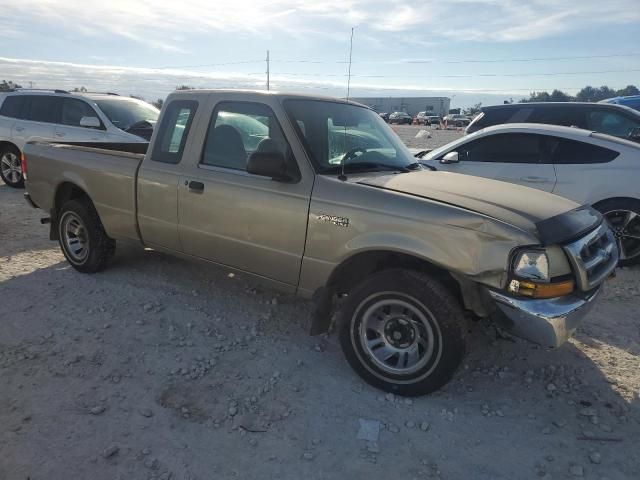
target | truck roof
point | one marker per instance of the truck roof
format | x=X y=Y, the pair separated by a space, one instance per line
x=271 y=93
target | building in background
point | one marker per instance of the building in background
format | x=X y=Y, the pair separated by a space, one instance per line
x=411 y=105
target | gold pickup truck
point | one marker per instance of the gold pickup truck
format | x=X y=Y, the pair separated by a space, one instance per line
x=319 y=197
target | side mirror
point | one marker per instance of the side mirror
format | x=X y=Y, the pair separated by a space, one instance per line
x=269 y=164
x=451 y=157
x=90 y=122
x=634 y=134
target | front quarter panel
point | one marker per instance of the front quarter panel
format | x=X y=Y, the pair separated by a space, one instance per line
x=346 y=218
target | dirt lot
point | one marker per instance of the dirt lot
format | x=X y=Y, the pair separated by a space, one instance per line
x=161 y=368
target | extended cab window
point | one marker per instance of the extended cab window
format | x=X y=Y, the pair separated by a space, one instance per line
x=174 y=130
x=237 y=130
x=73 y=110
x=503 y=148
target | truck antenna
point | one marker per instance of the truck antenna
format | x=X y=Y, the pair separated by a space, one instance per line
x=349 y=73
x=342 y=176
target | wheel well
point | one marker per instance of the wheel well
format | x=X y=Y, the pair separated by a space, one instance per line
x=65 y=192
x=4 y=144
x=615 y=199
x=354 y=269
x=350 y=272
x=68 y=191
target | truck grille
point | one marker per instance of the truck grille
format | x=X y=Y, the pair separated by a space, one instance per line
x=593 y=257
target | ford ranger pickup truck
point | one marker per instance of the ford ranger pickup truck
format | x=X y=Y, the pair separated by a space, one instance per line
x=319 y=197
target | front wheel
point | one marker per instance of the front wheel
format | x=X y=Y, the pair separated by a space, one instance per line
x=624 y=217
x=402 y=332
x=10 y=168
x=82 y=238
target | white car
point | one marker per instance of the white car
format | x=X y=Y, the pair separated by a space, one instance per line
x=56 y=115
x=587 y=167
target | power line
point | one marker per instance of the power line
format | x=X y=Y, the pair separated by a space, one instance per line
x=444 y=61
x=504 y=60
x=543 y=74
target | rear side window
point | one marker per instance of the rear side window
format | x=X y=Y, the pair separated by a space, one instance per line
x=496 y=116
x=73 y=110
x=13 y=106
x=44 y=109
x=174 y=130
x=567 y=116
x=574 y=152
x=503 y=148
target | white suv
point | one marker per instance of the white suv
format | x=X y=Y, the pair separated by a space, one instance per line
x=56 y=115
x=586 y=167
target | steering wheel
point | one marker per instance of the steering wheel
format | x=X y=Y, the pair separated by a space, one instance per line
x=351 y=153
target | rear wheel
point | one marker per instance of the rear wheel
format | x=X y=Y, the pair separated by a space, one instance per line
x=10 y=168
x=624 y=217
x=402 y=332
x=82 y=238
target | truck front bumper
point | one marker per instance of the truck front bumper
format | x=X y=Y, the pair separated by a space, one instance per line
x=548 y=322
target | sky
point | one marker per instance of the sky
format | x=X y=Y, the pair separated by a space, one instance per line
x=470 y=50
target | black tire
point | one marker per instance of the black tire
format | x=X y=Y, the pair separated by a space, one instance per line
x=428 y=307
x=617 y=211
x=93 y=248
x=9 y=162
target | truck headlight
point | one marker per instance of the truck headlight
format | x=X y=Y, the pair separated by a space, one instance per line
x=531 y=277
x=532 y=265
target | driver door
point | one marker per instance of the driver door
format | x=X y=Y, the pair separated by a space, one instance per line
x=235 y=218
x=520 y=158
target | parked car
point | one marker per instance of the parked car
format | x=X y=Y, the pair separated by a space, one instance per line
x=422 y=118
x=405 y=249
x=434 y=120
x=616 y=120
x=384 y=116
x=632 y=101
x=400 y=118
x=587 y=167
x=72 y=117
x=456 y=120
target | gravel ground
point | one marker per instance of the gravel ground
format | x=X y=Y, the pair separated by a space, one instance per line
x=159 y=368
x=435 y=137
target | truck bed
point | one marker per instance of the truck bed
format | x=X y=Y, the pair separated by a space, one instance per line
x=106 y=172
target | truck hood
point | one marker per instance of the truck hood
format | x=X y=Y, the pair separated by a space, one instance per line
x=519 y=206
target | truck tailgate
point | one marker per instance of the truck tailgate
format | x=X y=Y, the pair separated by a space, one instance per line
x=107 y=176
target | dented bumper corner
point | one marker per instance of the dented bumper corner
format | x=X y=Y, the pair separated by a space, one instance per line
x=548 y=322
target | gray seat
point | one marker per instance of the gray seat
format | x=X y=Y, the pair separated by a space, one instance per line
x=225 y=148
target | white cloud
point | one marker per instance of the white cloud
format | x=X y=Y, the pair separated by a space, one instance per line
x=166 y=24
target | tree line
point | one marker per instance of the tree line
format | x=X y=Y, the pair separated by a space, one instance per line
x=587 y=94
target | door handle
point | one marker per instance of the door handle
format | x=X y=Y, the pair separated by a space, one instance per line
x=534 y=179
x=19 y=129
x=197 y=187
x=60 y=134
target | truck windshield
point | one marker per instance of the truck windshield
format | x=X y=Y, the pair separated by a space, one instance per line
x=333 y=131
x=126 y=112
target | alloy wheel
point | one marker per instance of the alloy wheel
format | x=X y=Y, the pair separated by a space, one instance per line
x=626 y=230
x=10 y=166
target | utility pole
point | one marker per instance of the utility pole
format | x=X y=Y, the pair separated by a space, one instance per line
x=267 y=69
x=349 y=75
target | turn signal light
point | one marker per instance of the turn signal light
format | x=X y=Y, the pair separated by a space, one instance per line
x=541 y=290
